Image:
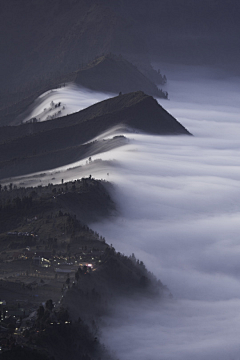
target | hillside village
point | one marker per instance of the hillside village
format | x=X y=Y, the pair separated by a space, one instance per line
x=40 y=255
x=31 y=276
x=50 y=259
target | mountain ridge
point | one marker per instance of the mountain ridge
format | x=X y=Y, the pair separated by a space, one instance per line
x=115 y=74
x=109 y=106
x=136 y=111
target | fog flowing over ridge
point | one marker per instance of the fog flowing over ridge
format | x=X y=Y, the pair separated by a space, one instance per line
x=178 y=212
x=61 y=102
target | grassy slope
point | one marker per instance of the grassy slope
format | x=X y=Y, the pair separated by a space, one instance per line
x=54 y=143
x=102 y=112
x=105 y=107
x=59 y=142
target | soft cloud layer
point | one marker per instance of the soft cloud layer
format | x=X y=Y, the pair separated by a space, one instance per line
x=179 y=212
x=71 y=98
x=177 y=330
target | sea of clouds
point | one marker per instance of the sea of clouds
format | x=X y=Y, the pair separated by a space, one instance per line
x=179 y=212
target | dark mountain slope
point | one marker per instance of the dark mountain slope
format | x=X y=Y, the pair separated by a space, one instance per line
x=56 y=146
x=44 y=41
x=46 y=160
x=113 y=105
x=107 y=73
x=115 y=74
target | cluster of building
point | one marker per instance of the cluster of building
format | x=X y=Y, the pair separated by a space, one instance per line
x=47 y=259
x=19 y=233
x=14 y=320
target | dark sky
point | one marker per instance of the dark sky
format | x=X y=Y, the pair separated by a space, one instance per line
x=201 y=31
x=41 y=39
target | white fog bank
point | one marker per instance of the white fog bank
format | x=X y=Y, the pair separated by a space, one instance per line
x=178 y=200
x=180 y=214
x=61 y=102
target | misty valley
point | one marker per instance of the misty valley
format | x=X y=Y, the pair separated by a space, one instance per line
x=119 y=180
x=172 y=205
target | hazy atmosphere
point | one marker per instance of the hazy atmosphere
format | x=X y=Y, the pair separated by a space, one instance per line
x=178 y=212
x=180 y=215
x=70 y=98
x=119 y=180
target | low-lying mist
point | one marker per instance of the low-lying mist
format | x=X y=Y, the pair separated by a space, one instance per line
x=179 y=212
x=61 y=102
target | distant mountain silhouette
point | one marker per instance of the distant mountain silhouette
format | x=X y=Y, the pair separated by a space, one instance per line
x=41 y=146
x=113 y=73
x=46 y=41
x=43 y=41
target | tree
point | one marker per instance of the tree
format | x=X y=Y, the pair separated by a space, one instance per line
x=144 y=281
x=40 y=312
x=77 y=276
x=49 y=304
